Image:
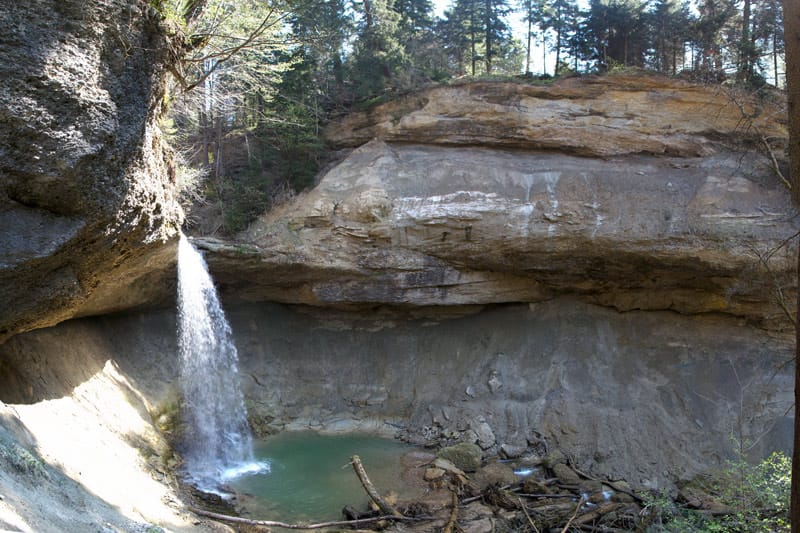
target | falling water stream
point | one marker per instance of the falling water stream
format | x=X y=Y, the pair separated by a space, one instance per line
x=217 y=444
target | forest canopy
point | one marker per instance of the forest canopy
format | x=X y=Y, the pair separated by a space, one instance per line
x=259 y=77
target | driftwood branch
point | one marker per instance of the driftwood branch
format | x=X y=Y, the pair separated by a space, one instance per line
x=480 y=496
x=528 y=515
x=577 y=508
x=451 y=523
x=271 y=523
x=384 y=506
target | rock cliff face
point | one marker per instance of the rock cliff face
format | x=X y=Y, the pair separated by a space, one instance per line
x=591 y=116
x=644 y=223
x=86 y=199
x=599 y=265
x=602 y=265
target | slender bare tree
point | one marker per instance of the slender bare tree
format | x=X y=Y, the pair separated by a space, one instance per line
x=791 y=21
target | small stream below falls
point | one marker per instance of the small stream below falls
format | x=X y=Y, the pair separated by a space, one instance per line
x=310 y=477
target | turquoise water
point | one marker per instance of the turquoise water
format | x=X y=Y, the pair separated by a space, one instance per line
x=310 y=477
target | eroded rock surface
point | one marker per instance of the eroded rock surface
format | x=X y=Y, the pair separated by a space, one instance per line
x=650 y=397
x=593 y=116
x=85 y=187
x=419 y=225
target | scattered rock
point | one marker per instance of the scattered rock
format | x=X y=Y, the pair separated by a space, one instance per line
x=622 y=497
x=483 y=433
x=697 y=498
x=433 y=473
x=494 y=382
x=465 y=456
x=590 y=486
x=534 y=486
x=566 y=475
x=484 y=525
x=553 y=458
x=620 y=485
x=447 y=466
x=597 y=497
x=510 y=451
x=530 y=460
x=494 y=474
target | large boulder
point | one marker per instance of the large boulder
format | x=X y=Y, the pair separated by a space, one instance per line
x=86 y=192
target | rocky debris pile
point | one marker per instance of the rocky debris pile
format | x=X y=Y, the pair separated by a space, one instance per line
x=534 y=491
x=537 y=493
x=526 y=493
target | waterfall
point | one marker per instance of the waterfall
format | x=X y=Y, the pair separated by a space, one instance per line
x=217 y=440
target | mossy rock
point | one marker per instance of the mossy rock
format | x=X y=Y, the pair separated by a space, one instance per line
x=465 y=456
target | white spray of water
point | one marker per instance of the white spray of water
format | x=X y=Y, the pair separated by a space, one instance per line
x=218 y=443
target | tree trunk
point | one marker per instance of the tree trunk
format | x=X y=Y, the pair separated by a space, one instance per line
x=544 y=53
x=367 y=15
x=558 y=49
x=488 y=8
x=472 y=33
x=775 y=56
x=791 y=18
x=745 y=51
x=528 y=53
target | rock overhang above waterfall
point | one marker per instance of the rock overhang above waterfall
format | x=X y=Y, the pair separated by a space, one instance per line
x=407 y=224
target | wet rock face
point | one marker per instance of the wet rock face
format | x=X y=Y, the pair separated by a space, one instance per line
x=650 y=397
x=85 y=186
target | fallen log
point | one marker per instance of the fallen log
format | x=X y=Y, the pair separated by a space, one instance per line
x=596 y=513
x=320 y=525
x=384 y=506
x=545 y=496
x=451 y=523
x=482 y=495
x=552 y=508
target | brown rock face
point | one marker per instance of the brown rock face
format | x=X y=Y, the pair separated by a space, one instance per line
x=421 y=225
x=592 y=116
x=85 y=192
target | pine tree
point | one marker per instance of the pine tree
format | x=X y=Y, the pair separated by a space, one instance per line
x=378 y=52
x=561 y=18
x=768 y=34
x=322 y=28
x=714 y=16
x=670 y=23
x=415 y=15
x=616 y=32
x=496 y=30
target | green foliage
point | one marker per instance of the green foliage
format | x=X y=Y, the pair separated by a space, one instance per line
x=21 y=459
x=756 y=497
x=260 y=77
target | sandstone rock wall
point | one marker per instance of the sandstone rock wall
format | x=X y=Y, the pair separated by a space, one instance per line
x=415 y=225
x=628 y=192
x=591 y=116
x=85 y=179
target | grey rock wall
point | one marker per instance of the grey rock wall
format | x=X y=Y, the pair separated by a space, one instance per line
x=651 y=397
